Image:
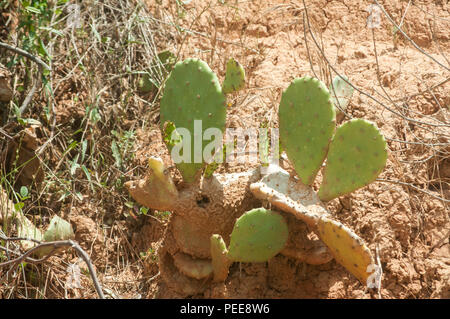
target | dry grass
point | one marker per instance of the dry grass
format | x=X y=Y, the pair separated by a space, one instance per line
x=89 y=109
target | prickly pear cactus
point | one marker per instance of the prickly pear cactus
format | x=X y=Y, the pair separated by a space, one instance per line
x=287 y=194
x=307 y=122
x=356 y=157
x=208 y=214
x=193 y=96
x=258 y=235
x=234 y=77
x=157 y=190
x=199 y=211
x=167 y=60
x=193 y=268
x=341 y=242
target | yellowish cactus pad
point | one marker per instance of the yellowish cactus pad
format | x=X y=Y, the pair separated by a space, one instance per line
x=220 y=261
x=194 y=268
x=157 y=190
x=347 y=248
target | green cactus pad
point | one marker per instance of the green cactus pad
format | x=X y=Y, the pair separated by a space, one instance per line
x=146 y=83
x=193 y=92
x=341 y=93
x=234 y=77
x=307 y=123
x=258 y=235
x=357 y=155
x=220 y=261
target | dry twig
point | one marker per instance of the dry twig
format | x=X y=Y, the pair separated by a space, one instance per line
x=54 y=245
x=41 y=65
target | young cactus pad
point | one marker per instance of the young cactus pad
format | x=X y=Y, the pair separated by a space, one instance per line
x=307 y=122
x=59 y=229
x=258 y=235
x=347 y=248
x=341 y=93
x=157 y=191
x=193 y=92
x=220 y=261
x=234 y=77
x=357 y=155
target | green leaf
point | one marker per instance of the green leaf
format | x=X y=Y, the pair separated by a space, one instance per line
x=31 y=122
x=72 y=146
x=94 y=115
x=83 y=150
x=74 y=166
x=59 y=229
x=33 y=9
x=23 y=191
x=63 y=196
x=129 y=204
x=79 y=196
x=116 y=154
x=18 y=206
x=88 y=176
x=51 y=30
x=96 y=34
x=42 y=49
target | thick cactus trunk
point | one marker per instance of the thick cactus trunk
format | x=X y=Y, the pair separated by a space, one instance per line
x=199 y=211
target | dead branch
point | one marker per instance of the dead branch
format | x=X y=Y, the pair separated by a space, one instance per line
x=54 y=245
x=41 y=65
x=25 y=54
